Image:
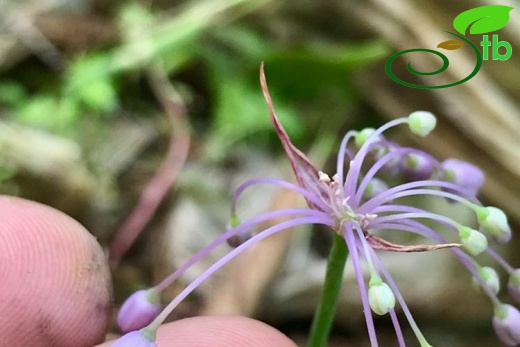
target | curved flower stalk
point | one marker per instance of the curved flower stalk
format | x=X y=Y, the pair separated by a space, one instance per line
x=358 y=206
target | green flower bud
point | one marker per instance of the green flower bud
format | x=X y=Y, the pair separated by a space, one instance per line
x=421 y=123
x=235 y=221
x=238 y=239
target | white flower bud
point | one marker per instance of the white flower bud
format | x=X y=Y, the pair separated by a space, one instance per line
x=421 y=123
x=490 y=276
x=474 y=242
x=380 y=296
x=494 y=222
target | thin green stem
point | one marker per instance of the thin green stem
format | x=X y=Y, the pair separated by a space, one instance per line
x=326 y=311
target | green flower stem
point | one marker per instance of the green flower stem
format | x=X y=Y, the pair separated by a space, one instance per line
x=326 y=311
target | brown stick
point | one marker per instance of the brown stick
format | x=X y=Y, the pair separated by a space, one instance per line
x=166 y=175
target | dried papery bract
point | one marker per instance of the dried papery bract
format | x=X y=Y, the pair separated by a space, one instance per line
x=306 y=173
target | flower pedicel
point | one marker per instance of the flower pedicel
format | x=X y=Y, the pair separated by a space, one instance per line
x=360 y=207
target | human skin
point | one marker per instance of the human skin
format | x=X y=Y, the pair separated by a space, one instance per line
x=56 y=289
x=55 y=286
x=219 y=331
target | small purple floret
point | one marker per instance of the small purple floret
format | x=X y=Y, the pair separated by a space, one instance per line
x=506 y=323
x=139 y=310
x=417 y=167
x=465 y=175
x=133 y=339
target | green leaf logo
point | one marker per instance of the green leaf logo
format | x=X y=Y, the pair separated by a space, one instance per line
x=483 y=19
x=451 y=44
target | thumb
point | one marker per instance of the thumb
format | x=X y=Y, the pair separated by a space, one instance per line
x=218 y=331
x=56 y=288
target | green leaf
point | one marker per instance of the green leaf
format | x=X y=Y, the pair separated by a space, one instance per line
x=12 y=93
x=90 y=81
x=483 y=19
x=240 y=112
x=48 y=112
x=39 y=111
x=7 y=172
x=320 y=68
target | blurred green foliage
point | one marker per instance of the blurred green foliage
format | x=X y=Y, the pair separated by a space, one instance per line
x=305 y=78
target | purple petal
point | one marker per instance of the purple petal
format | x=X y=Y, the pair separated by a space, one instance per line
x=507 y=325
x=417 y=167
x=139 y=310
x=463 y=174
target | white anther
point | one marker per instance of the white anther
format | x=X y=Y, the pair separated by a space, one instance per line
x=323 y=177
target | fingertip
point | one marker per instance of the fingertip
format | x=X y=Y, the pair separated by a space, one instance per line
x=222 y=331
x=219 y=331
x=56 y=285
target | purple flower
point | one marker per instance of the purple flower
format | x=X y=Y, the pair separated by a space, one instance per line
x=139 y=310
x=417 y=167
x=506 y=323
x=467 y=176
x=341 y=202
x=134 y=339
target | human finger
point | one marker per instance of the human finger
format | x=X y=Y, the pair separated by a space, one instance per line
x=218 y=331
x=55 y=283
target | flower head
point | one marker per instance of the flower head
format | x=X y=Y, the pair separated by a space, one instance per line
x=357 y=204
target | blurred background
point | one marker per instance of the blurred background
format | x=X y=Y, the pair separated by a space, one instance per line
x=101 y=101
